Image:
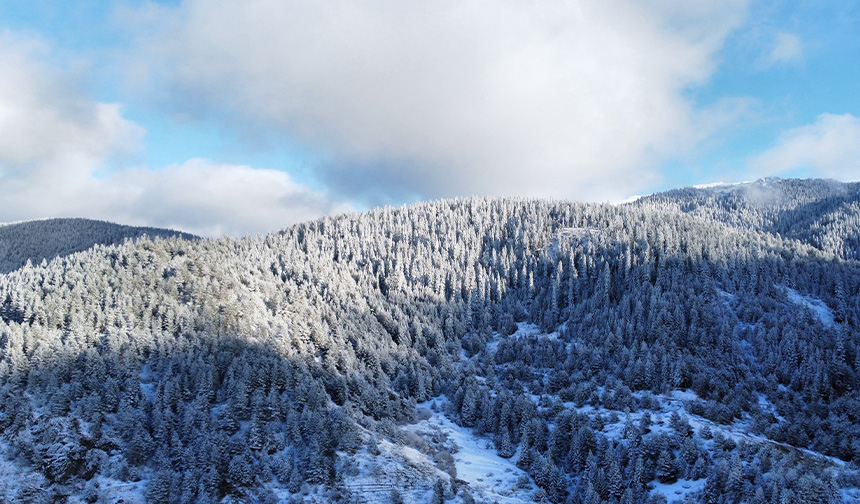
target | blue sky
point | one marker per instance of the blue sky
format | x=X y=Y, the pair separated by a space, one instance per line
x=216 y=116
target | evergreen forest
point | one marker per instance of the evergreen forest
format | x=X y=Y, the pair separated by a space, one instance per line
x=697 y=345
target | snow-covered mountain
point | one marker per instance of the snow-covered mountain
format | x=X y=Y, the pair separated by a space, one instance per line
x=821 y=213
x=49 y=238
x=700 y=345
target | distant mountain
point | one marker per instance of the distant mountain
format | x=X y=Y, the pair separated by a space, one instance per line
x=50 y=238
x=699 y=345
x=821 y=213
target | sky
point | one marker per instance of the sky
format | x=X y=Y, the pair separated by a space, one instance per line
x=221 y=117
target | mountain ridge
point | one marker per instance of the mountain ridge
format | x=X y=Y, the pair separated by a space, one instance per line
x=63 y=236
x=820 y=212
x=599 y=353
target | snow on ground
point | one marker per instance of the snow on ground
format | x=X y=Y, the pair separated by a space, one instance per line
x=528 y=329
x=147 y=382
x=524 y=330
x=17 y=479
x=678 y=490
x=11 y=478
x=851 y=495
x=737 y=431
x=488 y=476
x=684 y=395
x=492 y=478
x=371 y=478
x=768 y=406
x=111 y=490
x=613 y=421
x=818 y=308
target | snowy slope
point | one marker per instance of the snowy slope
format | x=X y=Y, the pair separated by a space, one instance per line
x=479 y=468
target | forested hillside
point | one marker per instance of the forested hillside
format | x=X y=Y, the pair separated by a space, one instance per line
x=46 y=239
x=700 y=344
x=822 y=213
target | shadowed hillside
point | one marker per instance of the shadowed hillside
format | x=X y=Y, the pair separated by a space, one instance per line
x=50 y=238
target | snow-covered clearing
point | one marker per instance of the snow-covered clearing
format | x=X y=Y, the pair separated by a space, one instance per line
x=479 y=468
x=429 y=450
x=524 y=330
x=372 y=477
x=111 y=490
x=678 y=490
x=851 y=495
x=818 y=308
x=528 y=329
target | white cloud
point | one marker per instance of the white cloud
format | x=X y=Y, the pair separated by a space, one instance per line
x=55 y=143
x=829 y=147
x=786 y=47
x=572 y=99
x=212 y=199
x=46 y=121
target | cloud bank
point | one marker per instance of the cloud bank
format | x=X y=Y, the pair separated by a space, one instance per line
x=64 y=154
x=575 y=99
x=829 y=147
x=46 y=121
x=212 y=199
x=388 y=102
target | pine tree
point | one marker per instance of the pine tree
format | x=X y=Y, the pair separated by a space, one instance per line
x=667 y=469
x=158 y=489
x=504 y=447
x=614 y=478
x=438 y=492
